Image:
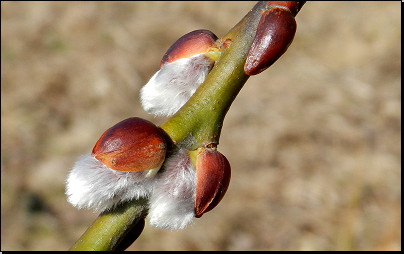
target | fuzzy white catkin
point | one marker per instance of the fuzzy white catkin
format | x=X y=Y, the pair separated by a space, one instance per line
x=90 y=184
x=173 y=200
x=172 y=86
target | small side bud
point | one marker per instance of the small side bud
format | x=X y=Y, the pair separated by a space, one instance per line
x=213 y=177
x=275 y=33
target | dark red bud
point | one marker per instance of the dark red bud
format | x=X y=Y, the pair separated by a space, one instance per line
x=134 y=144
x=212 y=180
x=275 y=33
x=193 y=43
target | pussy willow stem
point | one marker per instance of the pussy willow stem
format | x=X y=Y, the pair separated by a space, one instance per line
x=199 y=121
x=110 y=228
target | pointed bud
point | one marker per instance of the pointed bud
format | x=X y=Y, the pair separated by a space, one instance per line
x=275 y=33
x=133 y=144
x=183 y=68
x=213 y=177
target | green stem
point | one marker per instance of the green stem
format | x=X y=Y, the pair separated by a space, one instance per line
x=200 y=121
x=110 y=228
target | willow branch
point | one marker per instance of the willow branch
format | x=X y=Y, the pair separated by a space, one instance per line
x=201 y=118
x=198 y=122
x=109 y=230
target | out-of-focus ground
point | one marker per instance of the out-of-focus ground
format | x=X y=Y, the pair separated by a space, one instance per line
x=314 y=141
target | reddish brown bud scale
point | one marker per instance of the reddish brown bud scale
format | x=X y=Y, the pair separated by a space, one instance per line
x=275 y=33
x=212 y=180
x=133 y=144
x=195 y=42
x=293 y=6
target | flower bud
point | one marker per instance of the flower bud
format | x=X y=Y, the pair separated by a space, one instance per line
x=191 y=44
x=213 y=177
x=183 y=68
x=182 y=192
x=133 y=144
x=120 y=168
x=275 y=33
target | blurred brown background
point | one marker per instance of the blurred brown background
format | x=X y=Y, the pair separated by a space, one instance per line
x=314 y=141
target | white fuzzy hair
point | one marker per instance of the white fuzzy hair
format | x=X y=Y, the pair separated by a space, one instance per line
x=172 y=86
x=173 y=199
x=90 y=184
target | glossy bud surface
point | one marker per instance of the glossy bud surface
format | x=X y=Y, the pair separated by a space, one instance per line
x=184 y=68
x=133 y=144
x=275 y=33
x=193 y=43
x=212 y=180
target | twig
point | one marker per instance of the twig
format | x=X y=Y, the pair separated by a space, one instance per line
x=199 y=122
